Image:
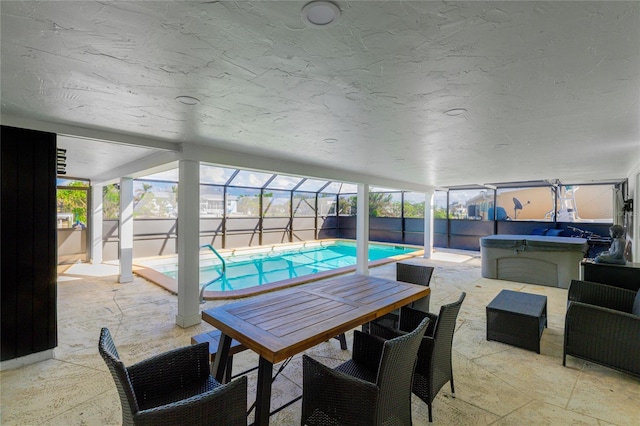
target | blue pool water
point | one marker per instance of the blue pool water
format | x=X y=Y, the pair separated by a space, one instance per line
x=255 y=269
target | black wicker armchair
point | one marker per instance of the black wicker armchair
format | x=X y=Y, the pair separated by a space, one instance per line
x=413 y=274
x=434 y=368
x=174 y=388
x=602 y=325
x=373 y=388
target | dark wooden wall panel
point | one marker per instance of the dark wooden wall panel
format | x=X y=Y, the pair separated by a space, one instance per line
x=45 y=246
x=28 y=238
x=9 y=246
x=25 y=258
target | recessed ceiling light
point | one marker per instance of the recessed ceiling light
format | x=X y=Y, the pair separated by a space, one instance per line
x=455 y=111
x=330 y=140
x=320 y=14
x=188 y=100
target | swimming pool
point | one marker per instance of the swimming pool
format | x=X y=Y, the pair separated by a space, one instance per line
x=252 y=268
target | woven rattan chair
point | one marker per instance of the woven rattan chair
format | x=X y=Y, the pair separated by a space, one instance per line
x=174 y=388
x=413 y=274
x=434 y=368
x=372 y=388
x=602 y=325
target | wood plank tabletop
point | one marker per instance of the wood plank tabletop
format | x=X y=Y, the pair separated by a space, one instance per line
x=289 y=321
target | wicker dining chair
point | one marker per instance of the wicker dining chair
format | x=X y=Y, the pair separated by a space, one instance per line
x=173 y=388
x=412 y=274
x=434 y=368
x=372 y=388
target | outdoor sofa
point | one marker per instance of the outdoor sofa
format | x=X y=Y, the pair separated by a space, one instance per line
x=602 y=325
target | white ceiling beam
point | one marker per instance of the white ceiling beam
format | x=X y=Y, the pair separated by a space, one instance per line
x=86 y=133
x=155 y=163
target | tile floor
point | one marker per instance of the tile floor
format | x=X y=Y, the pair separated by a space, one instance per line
x=496 y=384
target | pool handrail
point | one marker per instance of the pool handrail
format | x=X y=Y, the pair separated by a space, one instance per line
x=224 y=270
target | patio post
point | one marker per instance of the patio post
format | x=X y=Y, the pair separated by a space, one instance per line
x=188 y=244
x=125 y=232
x=95 y=224
x=362 y=230
x=428 y=223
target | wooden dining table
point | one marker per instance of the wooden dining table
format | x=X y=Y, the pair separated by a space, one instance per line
x=287 y=322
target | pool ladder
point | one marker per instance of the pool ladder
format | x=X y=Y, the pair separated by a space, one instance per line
x=224 y=270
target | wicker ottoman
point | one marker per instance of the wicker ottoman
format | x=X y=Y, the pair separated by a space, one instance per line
x=517 y=319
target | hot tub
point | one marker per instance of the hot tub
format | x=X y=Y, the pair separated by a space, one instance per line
x=533 y=259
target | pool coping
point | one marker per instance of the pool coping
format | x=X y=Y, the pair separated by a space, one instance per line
x=171 y=285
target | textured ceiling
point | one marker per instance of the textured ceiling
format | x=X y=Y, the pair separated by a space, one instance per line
x=422 y=92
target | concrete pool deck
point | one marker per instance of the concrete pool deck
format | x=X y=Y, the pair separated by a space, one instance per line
x=496 y=384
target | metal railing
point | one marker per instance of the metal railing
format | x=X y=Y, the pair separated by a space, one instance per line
x=221 y=276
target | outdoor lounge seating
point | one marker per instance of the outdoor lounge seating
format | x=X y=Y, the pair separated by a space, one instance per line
x=434 y=368
x=602 y=325
x=174 y=388
x=373 y=388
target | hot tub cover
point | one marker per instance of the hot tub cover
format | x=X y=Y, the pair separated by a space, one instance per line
x=535 y=242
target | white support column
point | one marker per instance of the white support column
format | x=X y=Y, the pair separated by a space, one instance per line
x=428 y=224
x=95 y=224
x=188 y=244
x=125 y=232
x=362 y=230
